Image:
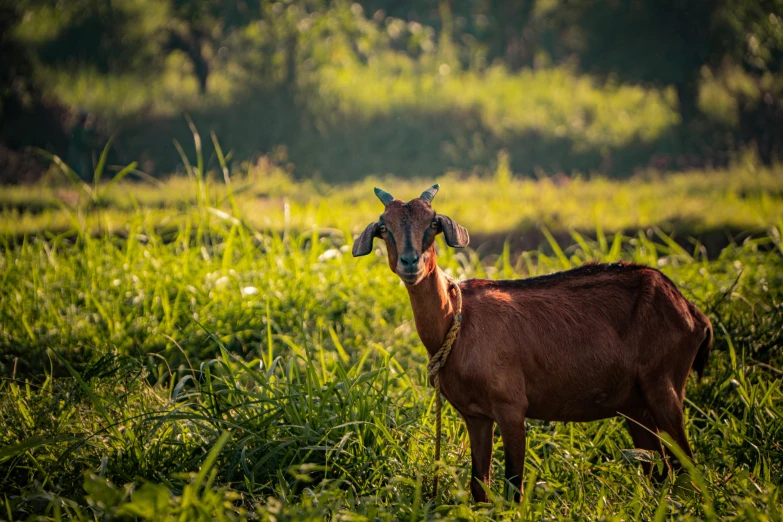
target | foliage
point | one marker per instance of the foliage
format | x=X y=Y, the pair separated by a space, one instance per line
x=105 y=36
x=752 y=34
x=669 y=42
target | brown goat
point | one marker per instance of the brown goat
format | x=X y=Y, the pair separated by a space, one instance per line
x=589 y=343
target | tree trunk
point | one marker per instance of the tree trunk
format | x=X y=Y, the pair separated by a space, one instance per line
x=688 y=100
x=290 y=63
x=200 y=64
x=193 y=46
x=516 y=35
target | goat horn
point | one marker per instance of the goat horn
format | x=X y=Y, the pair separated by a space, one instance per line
x=384 y=196
x=428 y=194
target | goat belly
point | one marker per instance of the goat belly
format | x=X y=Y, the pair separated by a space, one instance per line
x=591 y=383
x=587 y=407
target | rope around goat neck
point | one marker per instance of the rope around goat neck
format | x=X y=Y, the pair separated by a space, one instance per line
x=437 y=362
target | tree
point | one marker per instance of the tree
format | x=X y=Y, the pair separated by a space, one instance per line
x=199 y=26
x=107 y=36
x=667 y=42
x=25 y=118
x=662 y=42
x=120 y=37
x=512 y=34
x=751 y=33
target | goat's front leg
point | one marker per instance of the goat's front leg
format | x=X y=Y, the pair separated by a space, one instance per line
x=480 y=432
x=512 y=429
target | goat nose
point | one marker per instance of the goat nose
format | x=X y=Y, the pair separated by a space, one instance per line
x=409 y=260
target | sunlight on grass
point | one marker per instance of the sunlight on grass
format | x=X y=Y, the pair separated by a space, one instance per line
x=553 y=101
x=744 y=198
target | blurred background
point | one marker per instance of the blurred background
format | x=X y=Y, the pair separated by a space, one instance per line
x=337 y=91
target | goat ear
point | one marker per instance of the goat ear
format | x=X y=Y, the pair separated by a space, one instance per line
x=456 y=235
x=363 y=244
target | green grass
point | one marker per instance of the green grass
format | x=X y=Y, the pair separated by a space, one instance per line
x=743 y=198
x=555 y=102
x=217 y=360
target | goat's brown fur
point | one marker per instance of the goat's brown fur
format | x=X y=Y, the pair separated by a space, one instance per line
x=585 y=344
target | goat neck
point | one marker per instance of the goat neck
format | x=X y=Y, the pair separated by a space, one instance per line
x=432 y=307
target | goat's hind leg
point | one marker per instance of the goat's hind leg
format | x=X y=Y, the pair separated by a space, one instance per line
x=644 y=433
x=665 y=405
x=481 y=438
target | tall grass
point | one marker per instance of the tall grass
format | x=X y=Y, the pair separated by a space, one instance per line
x=213 y=369
x=743 y=198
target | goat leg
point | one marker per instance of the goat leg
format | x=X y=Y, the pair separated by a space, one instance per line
x=665 y=406
x=512 y=429
x=644 y=433
x=481 y=436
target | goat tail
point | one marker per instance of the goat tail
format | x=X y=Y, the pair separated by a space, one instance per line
x=700 y=362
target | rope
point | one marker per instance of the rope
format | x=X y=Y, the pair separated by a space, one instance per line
x=437 y=362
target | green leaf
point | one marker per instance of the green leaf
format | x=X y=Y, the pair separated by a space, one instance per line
x=150 y=501
x=31 y=443
x=101 y=163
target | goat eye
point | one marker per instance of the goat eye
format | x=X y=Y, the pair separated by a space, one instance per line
x=382 y=228
x=434 y=224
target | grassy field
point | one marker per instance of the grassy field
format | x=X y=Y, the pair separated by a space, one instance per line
x=204 y=350
x=742 y=199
